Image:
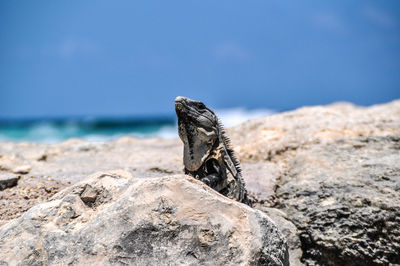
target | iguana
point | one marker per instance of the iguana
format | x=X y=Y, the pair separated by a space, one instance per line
x=207 y=154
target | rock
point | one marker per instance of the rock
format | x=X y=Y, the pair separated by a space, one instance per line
x=269 y=137
x=22 y=169
x=275 y=153
x=171 y=220
x=290 y=232
x=260 y=179
x=89 y=195
x=344 y=199
x=292 y=142
x=8 y=180
x=71 y=161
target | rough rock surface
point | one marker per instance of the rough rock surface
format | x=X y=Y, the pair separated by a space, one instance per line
x=56 y=166
x=344 y=198
x=315 y=133
x=53 y=167
x=270 y=137
x=290 y=232
x=112 y=218
x=342 y=156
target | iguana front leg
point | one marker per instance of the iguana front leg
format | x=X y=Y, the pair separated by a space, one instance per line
x=213 y=169
x=211 y=180
x=213 y=173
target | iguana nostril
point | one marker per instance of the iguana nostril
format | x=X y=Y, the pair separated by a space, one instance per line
x=179 y=99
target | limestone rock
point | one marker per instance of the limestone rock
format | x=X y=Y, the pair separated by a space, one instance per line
x=57 y=166
x=269 y=137
x=338 y=161
x=344 y=199
x=22 y=169
x=290 y=232
x=174 y=220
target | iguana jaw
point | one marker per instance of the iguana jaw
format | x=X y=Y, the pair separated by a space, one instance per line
x=185 y=108
x=196 y=112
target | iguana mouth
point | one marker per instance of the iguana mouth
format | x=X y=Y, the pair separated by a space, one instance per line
x=181 y=106
x=184 y=110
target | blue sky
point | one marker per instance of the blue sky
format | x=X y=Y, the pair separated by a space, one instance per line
x=69 y=58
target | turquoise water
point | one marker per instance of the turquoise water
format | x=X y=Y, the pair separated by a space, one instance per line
x=50 y=130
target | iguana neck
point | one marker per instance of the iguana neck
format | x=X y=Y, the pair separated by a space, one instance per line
x=226 y=152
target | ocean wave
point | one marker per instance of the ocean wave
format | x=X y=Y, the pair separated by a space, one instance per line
x=103 y=130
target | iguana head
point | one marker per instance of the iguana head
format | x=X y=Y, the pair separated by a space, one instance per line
x=198 y=129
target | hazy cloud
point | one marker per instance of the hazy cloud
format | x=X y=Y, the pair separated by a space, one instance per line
x=71 y=47
x=157 y=61
x=328 y=21
x=379 y=17
x=231 y=50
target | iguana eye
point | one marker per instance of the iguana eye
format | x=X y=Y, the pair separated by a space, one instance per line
x=201 y=105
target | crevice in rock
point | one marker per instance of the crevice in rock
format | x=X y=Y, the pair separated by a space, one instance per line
x=160 y=170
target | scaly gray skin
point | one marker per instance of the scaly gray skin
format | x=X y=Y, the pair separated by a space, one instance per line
x=207 y=154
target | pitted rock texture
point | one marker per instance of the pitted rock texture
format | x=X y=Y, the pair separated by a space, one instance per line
x=112 y=218
x=292 y=153
x=344 y=199
x=268 y=138
x=53 y=167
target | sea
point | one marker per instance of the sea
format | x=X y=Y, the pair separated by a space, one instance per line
x=52 y=130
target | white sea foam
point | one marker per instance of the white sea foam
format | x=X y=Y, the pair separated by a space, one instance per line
x=167 y=132
x=235 y=116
